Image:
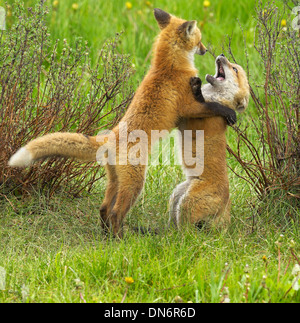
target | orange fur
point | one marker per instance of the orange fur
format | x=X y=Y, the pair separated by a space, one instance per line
x=205 y=198
x=162 y=99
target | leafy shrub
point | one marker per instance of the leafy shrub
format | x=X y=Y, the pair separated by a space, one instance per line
x=273 y=168
x=43 y=91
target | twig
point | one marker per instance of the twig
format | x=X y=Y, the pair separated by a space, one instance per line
x=297 y=259
x=9 y=202
x=225 y=279
x=279 y=264
x=125 y=294
x=293 y=284
x=81 y=297
x=288 y=265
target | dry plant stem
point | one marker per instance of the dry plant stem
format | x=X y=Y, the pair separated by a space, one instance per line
x=125 y=295
x=225 y=279
x=297 y=259
x=279 y=265
x=42 y=91
x=274 y=163
x=287 y=266
x=294 y=283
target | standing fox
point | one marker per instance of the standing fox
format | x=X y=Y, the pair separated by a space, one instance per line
x=205 y=198
x=162 y=99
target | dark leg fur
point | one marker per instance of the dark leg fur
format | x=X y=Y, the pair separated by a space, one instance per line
x=219 y=109
x=196 y=84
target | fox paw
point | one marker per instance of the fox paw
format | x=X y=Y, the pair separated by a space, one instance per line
x=231 y=118
x=196 y=84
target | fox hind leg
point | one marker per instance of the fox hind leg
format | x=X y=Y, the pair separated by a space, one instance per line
x=130 y=184
x=110 y=195
x=174 y=203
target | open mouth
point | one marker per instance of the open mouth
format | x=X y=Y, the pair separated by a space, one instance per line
x=220 y=74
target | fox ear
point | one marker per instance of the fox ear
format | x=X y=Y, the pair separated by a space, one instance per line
x=188 y=27
x=163 y=18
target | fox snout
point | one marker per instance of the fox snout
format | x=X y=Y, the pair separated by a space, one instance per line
x=201 y=49
x=222 y=59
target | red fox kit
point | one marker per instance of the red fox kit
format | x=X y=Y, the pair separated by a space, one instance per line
x=205 y=198
x=162 y=99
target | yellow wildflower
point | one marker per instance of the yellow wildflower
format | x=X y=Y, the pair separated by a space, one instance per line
x=264 y=258
x=75 y=6
x=129 y=280
x=148 y=3
x=55 y=3
x=128 y=5
x=283 y=23
x=265 y=12
x=206 y=4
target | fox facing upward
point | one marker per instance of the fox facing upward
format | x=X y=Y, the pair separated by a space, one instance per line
x=205 y=198
x=161 y=101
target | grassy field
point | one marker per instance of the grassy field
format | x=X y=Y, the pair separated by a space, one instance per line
x=53 y=250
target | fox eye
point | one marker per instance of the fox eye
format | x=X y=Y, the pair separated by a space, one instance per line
x=235 y=69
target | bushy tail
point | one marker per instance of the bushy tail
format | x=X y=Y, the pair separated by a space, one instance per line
x=70 y=145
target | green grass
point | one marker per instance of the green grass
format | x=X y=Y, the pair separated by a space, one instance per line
x=96 y=21
x=57 y=251
x=53 y=250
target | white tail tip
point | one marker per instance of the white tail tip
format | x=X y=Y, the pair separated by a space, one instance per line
x=22 y=158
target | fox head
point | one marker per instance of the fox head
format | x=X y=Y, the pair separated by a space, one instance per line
x=229 y=85
x=184 y=34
